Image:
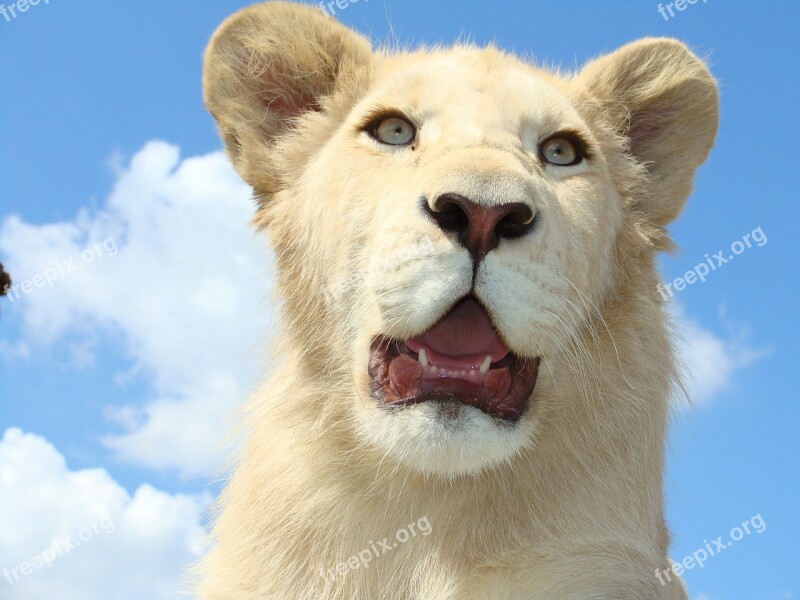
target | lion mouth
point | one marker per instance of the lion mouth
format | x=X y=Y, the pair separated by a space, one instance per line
x=460 y=358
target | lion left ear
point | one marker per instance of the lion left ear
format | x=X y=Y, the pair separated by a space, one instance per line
x=661 y=96
x=265 y=68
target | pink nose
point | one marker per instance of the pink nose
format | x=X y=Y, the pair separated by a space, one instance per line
x=480 y=227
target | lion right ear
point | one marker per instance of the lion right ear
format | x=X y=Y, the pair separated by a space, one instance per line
x=267 y=67
x=661 y=97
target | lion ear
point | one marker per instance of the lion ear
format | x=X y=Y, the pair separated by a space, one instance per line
x=660 y=96
x=265 y=68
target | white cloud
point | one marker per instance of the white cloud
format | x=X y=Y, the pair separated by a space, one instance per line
x=120 y=545
x=179 y=276
x=709 y=361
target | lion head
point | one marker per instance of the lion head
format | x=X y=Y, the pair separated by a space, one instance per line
x=454 y=227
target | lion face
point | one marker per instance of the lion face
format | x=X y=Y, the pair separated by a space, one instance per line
x=482 y=232
x=448 y=225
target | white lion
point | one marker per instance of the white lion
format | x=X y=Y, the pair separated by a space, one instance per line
x=472 y=336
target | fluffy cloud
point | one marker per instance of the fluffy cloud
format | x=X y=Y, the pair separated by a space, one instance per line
x=709 y=362
x=170 y=267
x=79 y=534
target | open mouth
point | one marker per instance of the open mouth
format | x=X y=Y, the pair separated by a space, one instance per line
x=461 y=358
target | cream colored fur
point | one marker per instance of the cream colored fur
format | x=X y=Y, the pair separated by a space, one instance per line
x=567 y=503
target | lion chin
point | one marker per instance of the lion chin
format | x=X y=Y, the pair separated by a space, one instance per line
x=470 y=389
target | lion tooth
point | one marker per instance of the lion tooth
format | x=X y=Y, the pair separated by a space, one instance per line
x=423 y=358
x=487 y=362
x=472 y=374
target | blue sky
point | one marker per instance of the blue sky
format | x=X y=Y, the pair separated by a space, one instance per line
x=104 y=135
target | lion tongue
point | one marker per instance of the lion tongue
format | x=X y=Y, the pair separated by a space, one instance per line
x=462 y=339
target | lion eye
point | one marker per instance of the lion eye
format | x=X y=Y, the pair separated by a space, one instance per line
x=395 y=131
x=560 y=151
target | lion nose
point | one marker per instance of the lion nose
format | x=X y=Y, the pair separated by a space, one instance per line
x=480 y=227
